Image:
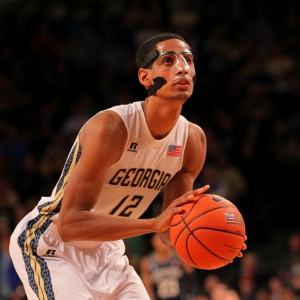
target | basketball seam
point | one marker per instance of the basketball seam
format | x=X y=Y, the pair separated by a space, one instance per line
x=191 y=233
x=186 y=224
x=222 y=258
x=203 y=213
x=217 y=229
x=207 y=211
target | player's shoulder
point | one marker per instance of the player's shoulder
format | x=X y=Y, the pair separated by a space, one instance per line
x=128 y=108
x=104 y=124
x=107 y=119
x=195 y=130
x=196 y=141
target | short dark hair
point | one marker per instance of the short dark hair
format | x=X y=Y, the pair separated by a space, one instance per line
x=147 y=46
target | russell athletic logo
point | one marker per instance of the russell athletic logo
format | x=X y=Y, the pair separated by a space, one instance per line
x=50 y=253
x=133 y=147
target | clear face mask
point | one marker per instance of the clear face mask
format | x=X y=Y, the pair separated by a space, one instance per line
x=180 y=64
x=177 y=62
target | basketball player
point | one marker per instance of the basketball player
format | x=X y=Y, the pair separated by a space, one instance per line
x=70 y=246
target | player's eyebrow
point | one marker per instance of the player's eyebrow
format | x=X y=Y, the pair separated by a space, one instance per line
x=167 y=52
x=173 y=52
x=187 y=52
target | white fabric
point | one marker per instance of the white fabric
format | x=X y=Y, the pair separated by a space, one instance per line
x=98 y=273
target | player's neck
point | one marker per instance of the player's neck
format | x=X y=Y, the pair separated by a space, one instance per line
x=161 y=116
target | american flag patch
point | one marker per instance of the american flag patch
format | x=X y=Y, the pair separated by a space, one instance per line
x=174 y=150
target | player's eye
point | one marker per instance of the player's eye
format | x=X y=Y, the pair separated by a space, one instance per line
x=189 y=59
x=168 y=61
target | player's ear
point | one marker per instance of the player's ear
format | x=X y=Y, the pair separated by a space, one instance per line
x=145 y=77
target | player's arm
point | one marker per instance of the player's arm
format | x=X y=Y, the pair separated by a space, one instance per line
x=102 y=139
x=193 y=161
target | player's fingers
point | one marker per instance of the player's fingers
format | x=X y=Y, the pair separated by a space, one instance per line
x=199 y=191
x=185 y=198
x=202 y=190
x=240 y=255
x=182 y=200
x=188 y=196
x=244 y=246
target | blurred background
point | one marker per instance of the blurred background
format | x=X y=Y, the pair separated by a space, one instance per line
x=63 y=61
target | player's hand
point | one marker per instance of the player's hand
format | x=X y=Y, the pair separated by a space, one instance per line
x=163 y=221
x=244 y=247
x=201 y=190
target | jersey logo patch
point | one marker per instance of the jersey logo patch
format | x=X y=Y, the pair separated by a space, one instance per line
x=133 y=147
x=50 y=253
x=174 y=150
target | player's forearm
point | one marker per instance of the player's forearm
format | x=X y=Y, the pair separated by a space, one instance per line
x=88 y=226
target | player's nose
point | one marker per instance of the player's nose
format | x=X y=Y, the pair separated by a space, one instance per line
x=182 y=66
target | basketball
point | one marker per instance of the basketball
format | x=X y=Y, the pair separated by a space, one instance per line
x=208 y=233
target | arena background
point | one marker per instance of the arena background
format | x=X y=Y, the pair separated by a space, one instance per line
x=63 y=61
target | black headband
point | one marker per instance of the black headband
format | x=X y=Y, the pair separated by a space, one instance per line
x=149 y=58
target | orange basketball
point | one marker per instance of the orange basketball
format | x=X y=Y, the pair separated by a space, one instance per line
x=209 y=232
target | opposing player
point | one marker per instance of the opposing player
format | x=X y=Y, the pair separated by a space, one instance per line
x=165 y=275
x=70 y=246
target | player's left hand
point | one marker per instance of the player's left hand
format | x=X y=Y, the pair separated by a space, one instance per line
x=244 y=247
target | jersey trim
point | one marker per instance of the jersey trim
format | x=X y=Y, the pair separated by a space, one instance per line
x=36 y=267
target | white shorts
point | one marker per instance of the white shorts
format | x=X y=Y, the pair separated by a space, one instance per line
x=51 y=269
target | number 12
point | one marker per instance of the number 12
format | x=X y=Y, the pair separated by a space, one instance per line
x=126 y=212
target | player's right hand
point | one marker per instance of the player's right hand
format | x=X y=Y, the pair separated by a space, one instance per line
x=244 y=247
x=163 y=221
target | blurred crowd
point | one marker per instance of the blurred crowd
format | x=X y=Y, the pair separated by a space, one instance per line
x=62 y=61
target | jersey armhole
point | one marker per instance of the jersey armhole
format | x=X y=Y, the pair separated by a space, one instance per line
x=126 y=126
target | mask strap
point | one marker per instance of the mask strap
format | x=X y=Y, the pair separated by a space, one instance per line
x=149 y=58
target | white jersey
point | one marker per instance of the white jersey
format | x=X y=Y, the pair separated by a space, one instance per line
x=145 y=167
x=52 y=269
